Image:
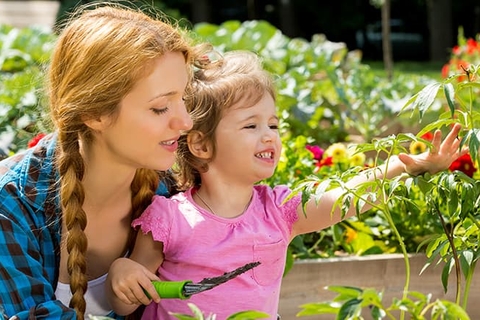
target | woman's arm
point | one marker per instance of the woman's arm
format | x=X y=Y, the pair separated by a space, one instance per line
x=318 y=212
x=28 y=262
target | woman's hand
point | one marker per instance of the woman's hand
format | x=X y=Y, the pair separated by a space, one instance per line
x=439 y=157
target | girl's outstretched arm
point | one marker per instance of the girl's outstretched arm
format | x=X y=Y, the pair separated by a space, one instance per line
x=129 y=277
x=440 y=157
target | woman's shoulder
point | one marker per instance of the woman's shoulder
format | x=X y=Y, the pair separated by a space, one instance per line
x=32 y=160
x=29 y=174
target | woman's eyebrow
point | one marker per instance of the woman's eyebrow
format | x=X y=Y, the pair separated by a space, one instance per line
x=161 y=95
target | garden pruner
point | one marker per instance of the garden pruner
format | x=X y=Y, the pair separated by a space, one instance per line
x=185 y=289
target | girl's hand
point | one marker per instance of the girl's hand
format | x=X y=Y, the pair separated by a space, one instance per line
x=128 y=280
x=439 y=157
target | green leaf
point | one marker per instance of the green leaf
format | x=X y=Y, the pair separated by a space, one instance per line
x=349 y=310
x=447 y=268
x=450 y=96
x=425 y=98
x=466 y=260
x=319 y=308
x=452 y=310
x=248 y=315
x=345 y=292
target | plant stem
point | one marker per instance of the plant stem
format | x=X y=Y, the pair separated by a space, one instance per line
x=454 y=254
x=468 y=284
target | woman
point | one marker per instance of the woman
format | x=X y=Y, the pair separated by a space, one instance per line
x=116 y=84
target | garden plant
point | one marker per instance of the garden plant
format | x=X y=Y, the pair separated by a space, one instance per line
x=452 y=197
x=326 y=97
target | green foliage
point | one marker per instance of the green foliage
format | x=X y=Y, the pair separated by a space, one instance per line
x=324 y=92
x=23 y=56
x=451 y=197
x=350 y=303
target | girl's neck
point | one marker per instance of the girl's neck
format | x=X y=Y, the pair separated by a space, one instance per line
x=225 y=204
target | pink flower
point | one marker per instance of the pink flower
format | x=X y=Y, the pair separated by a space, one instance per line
x=316 y=150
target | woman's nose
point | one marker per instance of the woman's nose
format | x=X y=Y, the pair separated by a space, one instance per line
x=182 y=119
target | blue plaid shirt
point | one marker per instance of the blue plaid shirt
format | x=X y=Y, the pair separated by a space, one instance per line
x=30 y=223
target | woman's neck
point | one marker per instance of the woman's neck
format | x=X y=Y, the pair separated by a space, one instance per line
x=106 y=183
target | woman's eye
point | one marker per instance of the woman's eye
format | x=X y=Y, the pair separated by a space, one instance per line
x=159 y=111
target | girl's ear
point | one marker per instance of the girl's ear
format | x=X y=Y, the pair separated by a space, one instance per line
x=197 y=146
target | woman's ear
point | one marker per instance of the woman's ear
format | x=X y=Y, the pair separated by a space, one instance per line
x=96 y=124
x=197 y=146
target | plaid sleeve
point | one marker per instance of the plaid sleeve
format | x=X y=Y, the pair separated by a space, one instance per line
x=27 y=262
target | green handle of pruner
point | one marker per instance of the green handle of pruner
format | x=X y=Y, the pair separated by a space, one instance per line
x=170 y=289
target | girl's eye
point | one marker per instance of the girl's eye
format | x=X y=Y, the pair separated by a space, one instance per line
x=274 y=126
x=251 y=126
x=159 y=111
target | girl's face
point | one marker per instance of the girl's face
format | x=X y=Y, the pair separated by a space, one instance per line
x=151 y=117
x=248 y=142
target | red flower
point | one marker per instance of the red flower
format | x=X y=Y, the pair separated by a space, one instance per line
x=464 y=164
x=472 y=46
x=325 y=162
x=445 y=71
x=33 y=142
x=427 y=136
x=457 y=50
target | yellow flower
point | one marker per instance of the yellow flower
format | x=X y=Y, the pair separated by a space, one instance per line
x=350 y=235
x=417 y=147
x=337 y=151
x=357 y=159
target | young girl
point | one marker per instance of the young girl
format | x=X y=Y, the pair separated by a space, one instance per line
x=224 y=219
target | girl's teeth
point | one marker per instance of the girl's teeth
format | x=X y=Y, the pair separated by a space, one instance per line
x=264 y=155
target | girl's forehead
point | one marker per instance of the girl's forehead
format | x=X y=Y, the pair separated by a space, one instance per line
x=264 y=108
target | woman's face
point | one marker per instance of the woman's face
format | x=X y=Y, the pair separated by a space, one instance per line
x=151 y=117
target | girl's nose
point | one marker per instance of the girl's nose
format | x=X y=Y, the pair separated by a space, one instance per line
x=269 y=135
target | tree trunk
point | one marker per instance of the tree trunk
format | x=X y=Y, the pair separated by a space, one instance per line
x=440 y=28
x=386 y=41
x=201 y=11
x=287 y=17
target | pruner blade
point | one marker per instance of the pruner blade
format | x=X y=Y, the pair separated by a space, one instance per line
x=185 y=289
x=209 y=283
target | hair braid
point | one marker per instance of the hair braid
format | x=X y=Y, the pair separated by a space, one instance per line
x=71 y=168
x=143 y=187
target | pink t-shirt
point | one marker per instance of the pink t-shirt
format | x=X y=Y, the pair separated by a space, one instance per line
x=198 y=244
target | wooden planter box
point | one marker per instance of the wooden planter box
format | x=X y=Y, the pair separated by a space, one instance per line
x=306 y=281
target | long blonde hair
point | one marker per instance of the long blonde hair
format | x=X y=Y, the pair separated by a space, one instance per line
x=97 y=60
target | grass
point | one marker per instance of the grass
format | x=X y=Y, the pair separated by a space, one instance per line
x=426 y=68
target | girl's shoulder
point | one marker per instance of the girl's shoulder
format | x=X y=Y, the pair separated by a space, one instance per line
x=279 y=195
